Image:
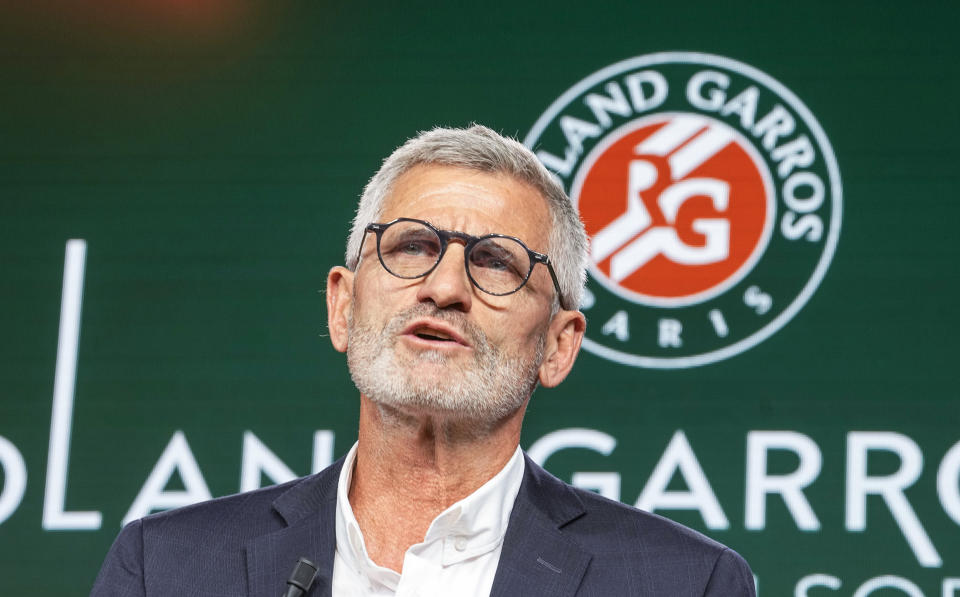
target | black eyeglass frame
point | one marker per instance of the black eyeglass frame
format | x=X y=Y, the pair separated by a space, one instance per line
x=469 y=241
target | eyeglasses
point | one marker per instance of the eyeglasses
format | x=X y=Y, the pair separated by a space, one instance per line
x=496 y=263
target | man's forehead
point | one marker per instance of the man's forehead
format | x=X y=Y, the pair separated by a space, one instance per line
x=469 y=200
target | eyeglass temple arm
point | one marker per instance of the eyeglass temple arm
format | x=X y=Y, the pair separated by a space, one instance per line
x=556 y=283
x=376 y=229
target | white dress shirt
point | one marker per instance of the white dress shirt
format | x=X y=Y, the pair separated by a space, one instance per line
x=459 y=553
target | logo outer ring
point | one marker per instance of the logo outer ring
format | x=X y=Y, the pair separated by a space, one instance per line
x=836 y=213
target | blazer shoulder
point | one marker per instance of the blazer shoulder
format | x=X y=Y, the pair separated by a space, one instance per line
x=640 y=525
x=656 y=543
x=203 y=544
x=248 y=514
x=597 y=518
x=220 y=513
x=638 y=547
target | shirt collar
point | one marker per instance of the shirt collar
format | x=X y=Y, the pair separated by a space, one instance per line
x=468 y=528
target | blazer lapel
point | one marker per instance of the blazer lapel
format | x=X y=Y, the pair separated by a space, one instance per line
x=537 y=559
x=309 y=510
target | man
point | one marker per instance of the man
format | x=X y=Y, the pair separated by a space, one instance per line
x=465 y=266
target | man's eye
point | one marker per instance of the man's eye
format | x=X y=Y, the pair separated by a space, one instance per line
x=415 y=248
x=495 y=264
x=491 y=261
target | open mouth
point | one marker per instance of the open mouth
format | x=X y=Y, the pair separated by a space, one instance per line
x=434 y=332
x=433 y=336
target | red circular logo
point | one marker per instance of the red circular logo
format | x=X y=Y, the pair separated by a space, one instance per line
x=678 y=207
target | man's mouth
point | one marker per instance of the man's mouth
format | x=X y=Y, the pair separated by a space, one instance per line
x=430 y=336
x=435 y=332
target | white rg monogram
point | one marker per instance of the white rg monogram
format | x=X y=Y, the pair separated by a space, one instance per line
x=617 y=238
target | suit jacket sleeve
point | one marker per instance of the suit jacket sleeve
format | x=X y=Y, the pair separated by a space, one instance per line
x=731 y=577
x=122 y=572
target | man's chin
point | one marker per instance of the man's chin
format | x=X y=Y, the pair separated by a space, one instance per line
x=414 y=358
x=466 y=416
x=435 y=369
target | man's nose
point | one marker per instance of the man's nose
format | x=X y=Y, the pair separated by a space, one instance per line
x=448 y=285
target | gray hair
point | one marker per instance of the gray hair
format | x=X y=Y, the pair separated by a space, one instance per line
x=480 y=148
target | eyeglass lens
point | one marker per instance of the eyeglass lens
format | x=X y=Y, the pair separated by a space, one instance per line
x=497 y=265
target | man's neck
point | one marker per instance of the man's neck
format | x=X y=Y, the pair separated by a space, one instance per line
x=410 y=468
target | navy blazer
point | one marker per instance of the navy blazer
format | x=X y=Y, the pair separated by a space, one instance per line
x=561 y=541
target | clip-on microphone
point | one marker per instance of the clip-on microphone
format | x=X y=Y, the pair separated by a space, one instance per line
x=301 y=578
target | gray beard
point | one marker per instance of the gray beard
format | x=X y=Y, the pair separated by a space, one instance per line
x=486 y=390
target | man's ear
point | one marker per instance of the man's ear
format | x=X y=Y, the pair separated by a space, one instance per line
x=339 y=302
x=562 y=345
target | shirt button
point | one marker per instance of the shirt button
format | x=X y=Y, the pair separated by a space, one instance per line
x=460 y=543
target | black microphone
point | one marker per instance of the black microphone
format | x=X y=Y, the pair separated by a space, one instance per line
x=301 y=578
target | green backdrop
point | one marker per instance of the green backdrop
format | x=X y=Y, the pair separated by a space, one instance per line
x=209 y=155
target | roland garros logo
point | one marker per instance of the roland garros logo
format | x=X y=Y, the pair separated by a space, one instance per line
x=711 y=197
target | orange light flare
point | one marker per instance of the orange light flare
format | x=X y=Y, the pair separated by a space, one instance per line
x=145 y=21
